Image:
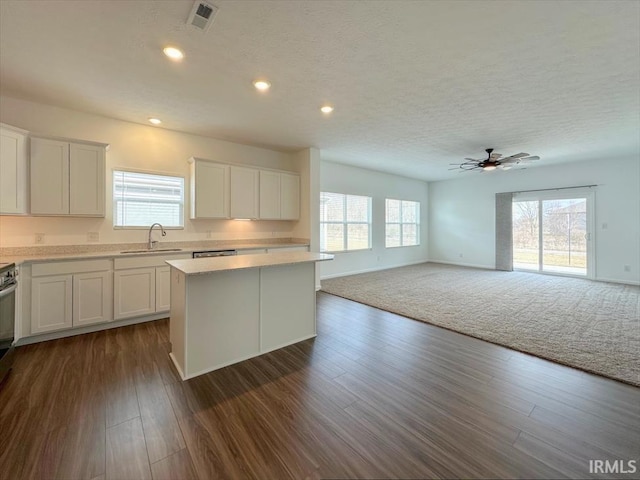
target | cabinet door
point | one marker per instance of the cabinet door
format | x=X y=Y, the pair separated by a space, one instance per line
x=289 y=196
x=243 y=192
x=86 y=179
x=13 y=171
x=92 y=298
x=49 y=177
x=51 y=303
x=135 y=292
x=269 y=195
x=209 y=190
x=163 y=289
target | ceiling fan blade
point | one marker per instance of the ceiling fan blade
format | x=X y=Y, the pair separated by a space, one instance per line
x=530 y=158
x=473 y=160
x=458 y=168
x=519 y=155
x=495 y=155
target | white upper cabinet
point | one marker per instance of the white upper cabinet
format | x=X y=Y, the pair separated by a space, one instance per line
x=232 y=191
x=49 y=177
x=243 y=188
x=86 y=179
x=269 y=195
x=209 y=189
x=289 y=196
x=13 y=170
x=279 y=195
x=67 y=178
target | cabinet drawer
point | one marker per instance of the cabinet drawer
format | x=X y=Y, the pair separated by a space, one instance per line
x=63 y=268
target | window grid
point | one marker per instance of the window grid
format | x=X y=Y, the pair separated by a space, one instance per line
x=140 y=199
x=349 y=233
x=402 y=232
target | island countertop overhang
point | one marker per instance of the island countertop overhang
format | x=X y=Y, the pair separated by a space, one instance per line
x=203 y=266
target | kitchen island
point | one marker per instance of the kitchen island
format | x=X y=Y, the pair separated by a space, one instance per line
x=228 y=309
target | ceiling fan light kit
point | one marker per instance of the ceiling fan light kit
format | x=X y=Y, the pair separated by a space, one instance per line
x=493 y=161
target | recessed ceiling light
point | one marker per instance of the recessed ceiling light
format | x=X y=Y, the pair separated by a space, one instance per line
x=173 y=53
x=326 y=109
x=262 y=85
x=155 y=121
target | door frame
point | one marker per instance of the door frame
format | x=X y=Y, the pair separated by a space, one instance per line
x=590 y=196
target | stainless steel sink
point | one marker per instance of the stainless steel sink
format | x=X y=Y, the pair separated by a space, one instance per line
x=154 y=250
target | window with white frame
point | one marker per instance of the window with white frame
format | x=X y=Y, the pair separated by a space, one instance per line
x=140 y=199
x=345 y=222
x=402 y=228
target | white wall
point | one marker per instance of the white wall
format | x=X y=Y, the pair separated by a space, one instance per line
x=339 y=178
x=140 y=147
x=462 y=213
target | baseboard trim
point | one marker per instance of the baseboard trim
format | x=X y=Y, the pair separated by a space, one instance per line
x=236 y=360
x=460 y=264
x=367 y=270
x=615 y=280
x=175 y=364
x=88 y=329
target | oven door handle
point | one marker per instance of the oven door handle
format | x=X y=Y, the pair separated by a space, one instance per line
x=8 y=291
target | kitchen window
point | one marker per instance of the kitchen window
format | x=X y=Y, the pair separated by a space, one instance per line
x=140 y=199
x=402 y=227
x=345 y=222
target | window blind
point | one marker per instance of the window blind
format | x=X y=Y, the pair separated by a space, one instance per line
x=141 y=199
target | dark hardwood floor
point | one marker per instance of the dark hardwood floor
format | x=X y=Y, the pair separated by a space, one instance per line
x=375 y=395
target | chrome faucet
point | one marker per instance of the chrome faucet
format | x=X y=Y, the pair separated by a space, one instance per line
x=152 y=243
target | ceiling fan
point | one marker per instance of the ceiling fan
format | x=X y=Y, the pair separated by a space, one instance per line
x=493 y=161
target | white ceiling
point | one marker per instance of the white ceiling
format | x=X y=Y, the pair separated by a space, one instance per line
x=416 y=84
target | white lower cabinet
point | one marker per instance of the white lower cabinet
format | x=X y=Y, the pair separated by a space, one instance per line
x=135 y=292
x=163 y=289
x=92 y=294
x=142 y=285
x=51 y=303
x=70 y=294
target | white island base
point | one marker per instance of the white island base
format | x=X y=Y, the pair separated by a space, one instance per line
x=228 y=309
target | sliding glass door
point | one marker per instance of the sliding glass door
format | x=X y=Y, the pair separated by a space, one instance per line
x=552 y=234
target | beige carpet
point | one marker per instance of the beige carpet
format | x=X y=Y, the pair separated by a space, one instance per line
x=594 y=326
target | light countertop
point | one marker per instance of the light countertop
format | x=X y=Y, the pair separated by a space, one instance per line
x=48 y=257
x=202 y=266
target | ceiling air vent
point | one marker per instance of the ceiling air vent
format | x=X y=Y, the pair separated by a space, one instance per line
x=202 y=15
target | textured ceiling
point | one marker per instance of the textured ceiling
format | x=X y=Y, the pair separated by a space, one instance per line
x=416 y=84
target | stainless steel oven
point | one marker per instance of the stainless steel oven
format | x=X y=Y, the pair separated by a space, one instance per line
x=8 y=285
